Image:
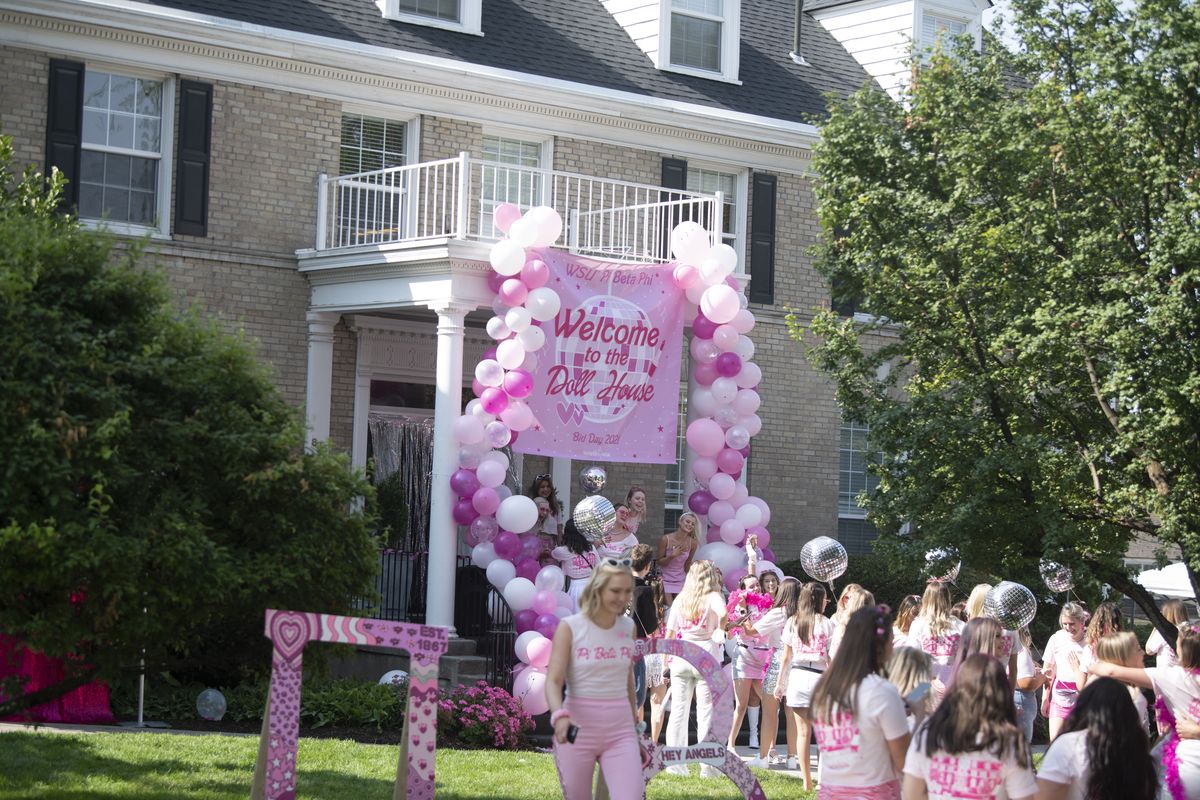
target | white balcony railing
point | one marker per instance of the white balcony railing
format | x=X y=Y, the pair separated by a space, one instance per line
x=455 y=198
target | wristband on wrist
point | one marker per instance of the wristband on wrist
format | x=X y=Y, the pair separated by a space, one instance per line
x=559 y=714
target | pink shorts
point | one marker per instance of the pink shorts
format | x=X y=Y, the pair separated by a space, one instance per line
x=1062 y=700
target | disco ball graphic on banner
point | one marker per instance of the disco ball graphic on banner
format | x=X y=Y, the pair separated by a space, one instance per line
x=626 y=330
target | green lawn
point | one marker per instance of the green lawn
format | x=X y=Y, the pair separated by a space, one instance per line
x=141 y=766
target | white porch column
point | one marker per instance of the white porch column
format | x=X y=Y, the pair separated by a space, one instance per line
x=560 y=473
x=443 y=532
x=320 y=374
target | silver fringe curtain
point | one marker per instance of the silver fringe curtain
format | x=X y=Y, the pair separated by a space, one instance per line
x=405 y=444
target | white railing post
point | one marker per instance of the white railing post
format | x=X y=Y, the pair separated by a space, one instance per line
x=464 y=193
x=322 y=209
x=718 y=217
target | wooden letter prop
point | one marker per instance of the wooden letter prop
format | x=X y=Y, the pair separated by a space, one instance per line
x=289 y=632
x=713 y=753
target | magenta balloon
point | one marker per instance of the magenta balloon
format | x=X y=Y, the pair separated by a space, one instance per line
x=464 y=483
x=493 y=400
x=535 y=273
x=518 y=383
x=494 y=280
x=699 y=502
x=464 y=512
x=527 y=568
x=513 y=292
x=733 y=283
x=485 y=501
x=525 y=620
x=488 y=355
x=531 y=547
x=728 y=364
x=513 y=437
x=705 y=373
x=546 y=625
x=507 y=545
x=484 y=526
x=732 y=577
x=713 y=535
x=768 y=554
x=730 y=461
x=703 y=327
x=544 y=602
x=745 y=451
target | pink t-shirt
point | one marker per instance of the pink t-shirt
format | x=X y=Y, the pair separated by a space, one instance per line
x=968 y=776
x=854 y=750
x=817 y=647
x=600 y=659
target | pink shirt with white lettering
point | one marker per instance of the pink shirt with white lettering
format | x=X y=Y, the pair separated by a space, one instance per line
x=968 y=776
x=600 y=659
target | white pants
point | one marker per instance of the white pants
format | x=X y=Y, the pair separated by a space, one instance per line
x=686 y=681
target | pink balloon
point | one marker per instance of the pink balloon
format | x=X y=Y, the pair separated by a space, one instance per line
x=518 y=383
x=464 y=483
x=764 y=535
x=733 y=577
x=535 y=274
x=704 y=468
x=722 y=486
x=768 y=555
x=507 y=545
x=504 y=216
x=703 y=327
x=705 y=437
x=513 y=292
x=725 y=337
x=705 y=374
x=740 y=495
x=547 y=624
x=470 y=538
x=544 y=602
x=732 y=531
x=530 y=688
x=539 y=652
x=763 y=507
x=494 y=400
x=527 y=568
x=729 y=461
x=485 y=501
x=704 y=351
x=477 y=387
x=464 y=513
x=531 y=547
x=720 y=511
x=745 y=402
x=733 y=283
x=484 y=527
x=685 y=275
x=743 y=322
x=750 y=376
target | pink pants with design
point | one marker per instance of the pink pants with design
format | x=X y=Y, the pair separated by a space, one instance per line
x=606 y=734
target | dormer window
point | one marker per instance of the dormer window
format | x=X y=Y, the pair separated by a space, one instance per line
x=456 y=15
x=939 y=27
x=700 y=37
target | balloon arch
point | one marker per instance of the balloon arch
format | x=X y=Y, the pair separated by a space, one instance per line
x=723 y=403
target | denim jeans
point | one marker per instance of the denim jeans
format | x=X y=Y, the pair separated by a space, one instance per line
x=1027 y=711
x=639 y=681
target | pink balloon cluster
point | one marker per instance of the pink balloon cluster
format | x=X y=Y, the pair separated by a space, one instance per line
x=727 y=402
x=499 y=526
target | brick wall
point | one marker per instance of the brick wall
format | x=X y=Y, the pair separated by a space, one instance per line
x=23 y=94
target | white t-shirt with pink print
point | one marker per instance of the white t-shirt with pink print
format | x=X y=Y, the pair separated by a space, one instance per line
x=698 y=631
x=600 y=658
x=574 y=566
x=816 y=649
x=854 y=750
x=940 y=647
x=968 y=776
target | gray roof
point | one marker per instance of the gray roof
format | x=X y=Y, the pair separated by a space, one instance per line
x=578 y=40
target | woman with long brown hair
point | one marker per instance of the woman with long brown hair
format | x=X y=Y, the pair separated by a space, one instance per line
x=806 y=640
x=971 y=745
x=937 y=633
x=858 y=716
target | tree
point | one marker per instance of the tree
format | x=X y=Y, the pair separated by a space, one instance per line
x=154 y=494
x=1024 y=227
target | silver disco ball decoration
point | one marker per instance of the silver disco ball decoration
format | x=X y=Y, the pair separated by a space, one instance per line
x=1010 y=604
x=823 y=558
x=595 y=517
x=1058 y=578
x=210 y=705
x=943 y=564
x=592 y=480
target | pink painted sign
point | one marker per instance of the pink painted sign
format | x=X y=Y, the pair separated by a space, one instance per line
x=606 y=384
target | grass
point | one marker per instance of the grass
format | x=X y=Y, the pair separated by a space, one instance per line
x=142 y=766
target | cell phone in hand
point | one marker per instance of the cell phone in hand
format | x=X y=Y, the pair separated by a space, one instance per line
x=572 y=732
x=917 y=694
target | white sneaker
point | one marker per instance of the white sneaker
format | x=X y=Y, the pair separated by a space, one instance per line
x=776 y=759
x=677 y=770
x=793 y=762
x=757 y=763
x=709 y=771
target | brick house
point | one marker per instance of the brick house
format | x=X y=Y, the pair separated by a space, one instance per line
x=321 y=174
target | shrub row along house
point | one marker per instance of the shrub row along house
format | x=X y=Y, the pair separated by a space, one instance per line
x=321 y=174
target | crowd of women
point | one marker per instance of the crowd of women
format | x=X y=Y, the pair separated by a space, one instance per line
x=933 y=701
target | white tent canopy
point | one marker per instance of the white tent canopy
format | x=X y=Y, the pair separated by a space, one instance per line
x=1170 y=581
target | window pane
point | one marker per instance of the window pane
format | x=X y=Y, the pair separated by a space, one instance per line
x=149 y=98
x=701 y=6
x=120 y=130
x=91 y=200
x=91 y=167
x=95 y=89
x=122 y=93
x=116 y=204
x=437 y=9
x=142 y=173
x=695 y=42
x=147 y=134
x=95 y=127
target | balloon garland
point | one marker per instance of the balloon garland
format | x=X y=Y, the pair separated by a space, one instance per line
x=725 y=403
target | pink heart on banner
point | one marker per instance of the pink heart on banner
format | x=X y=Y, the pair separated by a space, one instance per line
x=289 y=632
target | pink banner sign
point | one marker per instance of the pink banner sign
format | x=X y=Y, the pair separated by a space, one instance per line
x=606 y=386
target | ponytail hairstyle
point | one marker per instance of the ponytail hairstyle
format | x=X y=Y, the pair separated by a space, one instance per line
x=573 y=540
x=907 y=612
x=864 y=650
x=935 y=607
x=976 y=600
x=1118 y=754
x=809 y=606
x=978 y=715
x=1106 y=620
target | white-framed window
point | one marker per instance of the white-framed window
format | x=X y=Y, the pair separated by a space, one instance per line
x=373 y=207
x=464 y=16
x=854 y=480
x=701 y=37
x=513 y=172
x=125 y=159
x=733 y=184
x=939 y=27
x=371 y=143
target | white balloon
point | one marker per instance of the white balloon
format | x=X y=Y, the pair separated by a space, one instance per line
x=726 y=255
x=530 y=363
x=503 y=492
x=750 y=376
x=489 y=372
x=689 y=242
x=726 y=556
x=517 y=320
x=749 y=515
x=499 y=307
x=468 y=429
x=521 y=645
x=532 y=338
x=724 y=390
x=507 y=257
x=713 y=271
x=517 y=513
x=768 y=566
x=497 y=329
x=517 y=416
x=500 y=572
x=523 y=232
x=480 y=413
x=496 y=456
x=510 y=353
x=752 y=423
x=490 y=474
x=704 y=403
x=720 y=303
x=543 y=303
x=745 y=348
x=695 y=293
x=483 y=554
x=519 y=593
x=743 y=322
x=547 y=225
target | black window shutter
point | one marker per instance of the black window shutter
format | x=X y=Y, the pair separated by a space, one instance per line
x=674 y=173
x=192 y=158
x=64 y=126
x=674 y=176
x=762 y=238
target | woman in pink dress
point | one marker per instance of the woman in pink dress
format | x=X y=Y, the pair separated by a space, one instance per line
x=675 y=552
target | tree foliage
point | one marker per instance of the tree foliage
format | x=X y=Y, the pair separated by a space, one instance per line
x=154 y=497
x=1024 y=227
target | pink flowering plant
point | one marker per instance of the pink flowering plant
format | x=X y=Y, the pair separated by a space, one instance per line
x=482 y=715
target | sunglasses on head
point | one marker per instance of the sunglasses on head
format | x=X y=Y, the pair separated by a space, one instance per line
x=617 y=562
x=541 y=477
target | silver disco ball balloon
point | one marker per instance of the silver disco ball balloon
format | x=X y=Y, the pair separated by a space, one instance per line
x=1010 y=604
x=592 y=480
x=595 y=517
x=210 y=705
x=823 y=558
x=1057 y=577
x=943 y=564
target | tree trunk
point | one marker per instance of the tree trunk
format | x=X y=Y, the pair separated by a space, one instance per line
x=1120 y=580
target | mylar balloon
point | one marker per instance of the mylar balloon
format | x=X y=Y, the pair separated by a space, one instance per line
x=592 y=479
x=210 y=705
x=1011 y=604
x=1058 y=578
x=595 y=517
x=823 y=558
x=943 y=564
